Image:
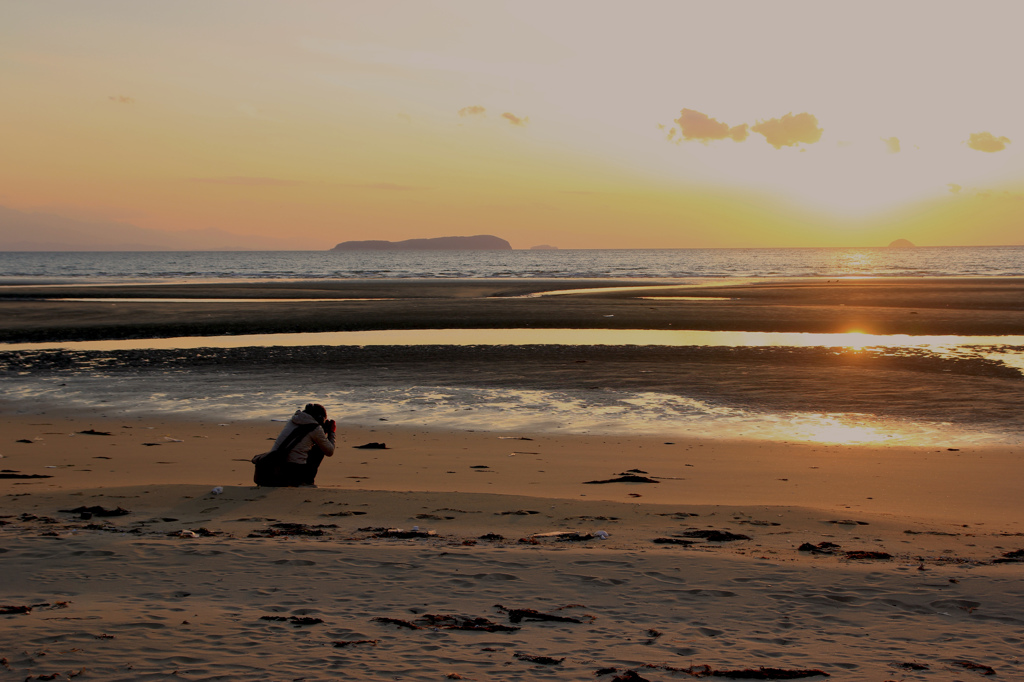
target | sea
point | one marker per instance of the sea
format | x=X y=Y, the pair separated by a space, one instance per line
x=270 y=394
x=114 y=267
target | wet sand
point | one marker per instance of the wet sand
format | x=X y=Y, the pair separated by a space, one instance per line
x=860 y=563
x=889 y=306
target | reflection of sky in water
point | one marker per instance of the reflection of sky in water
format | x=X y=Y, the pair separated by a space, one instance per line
x=225 y=396
x=1006 y=349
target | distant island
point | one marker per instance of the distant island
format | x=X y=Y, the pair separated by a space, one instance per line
x=902 y=244
x=480 y=242
x=544 y=247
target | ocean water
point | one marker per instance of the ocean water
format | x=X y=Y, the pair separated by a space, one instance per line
x=106 y=267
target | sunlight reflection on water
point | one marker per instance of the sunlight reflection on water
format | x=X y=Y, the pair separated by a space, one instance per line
x=238 y=396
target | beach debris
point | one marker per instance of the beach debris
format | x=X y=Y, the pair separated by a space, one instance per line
x=977 y=667
x=601 y=534
x=23 y=440
x=194 y=533
x=370 y=446
x=297 y=621
x=564 y=536
x=354 y=642
x=673 y=541
x=479 y=466
x=448 y=622
x=346 y=513
x=149 y=445
x=629 y=676
x=820 y=548
x=217 y=490
x=513 y=438
x=849 y=522
x=414 y=532
x=760 y=673
x=868 y=555
x=624 y=478
x=290 y=529
x=397 y=621
x=94 y=432
x=96 y=511
x=8 y=473
x=13 y=610
x=173 y=440
x=493 y=537
x=911 y=666
x=1016 y=556
x=519 y=615
x=542 y=660
x=715 y=535
x=517 y=512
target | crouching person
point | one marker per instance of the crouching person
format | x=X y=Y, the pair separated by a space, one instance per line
x=303 y=459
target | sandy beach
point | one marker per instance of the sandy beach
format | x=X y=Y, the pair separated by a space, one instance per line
x=135 y=546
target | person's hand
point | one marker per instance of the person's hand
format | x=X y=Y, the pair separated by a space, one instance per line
x=330 y=426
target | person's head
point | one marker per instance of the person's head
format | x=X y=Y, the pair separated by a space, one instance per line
x=316 y=411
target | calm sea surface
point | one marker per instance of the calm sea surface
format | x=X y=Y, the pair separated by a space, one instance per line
x=35 y=267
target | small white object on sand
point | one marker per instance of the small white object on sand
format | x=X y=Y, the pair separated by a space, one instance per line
x=217 y=490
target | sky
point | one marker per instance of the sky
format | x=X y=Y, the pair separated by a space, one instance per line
x=590 y=124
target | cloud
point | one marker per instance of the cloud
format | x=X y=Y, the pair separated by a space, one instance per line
x=122 y=99
x=693 y=125
x=515 y=120
x=892 y=144
x=987 y=142
x=789 y=130
x=475 y=110
x=248 y=181
x=954 y=188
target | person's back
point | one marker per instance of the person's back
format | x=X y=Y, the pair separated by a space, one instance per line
x=303 y=459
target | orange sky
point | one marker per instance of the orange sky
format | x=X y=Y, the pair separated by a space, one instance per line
x=579 y=124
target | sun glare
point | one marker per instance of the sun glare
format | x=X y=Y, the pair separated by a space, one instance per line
x=832 y=431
